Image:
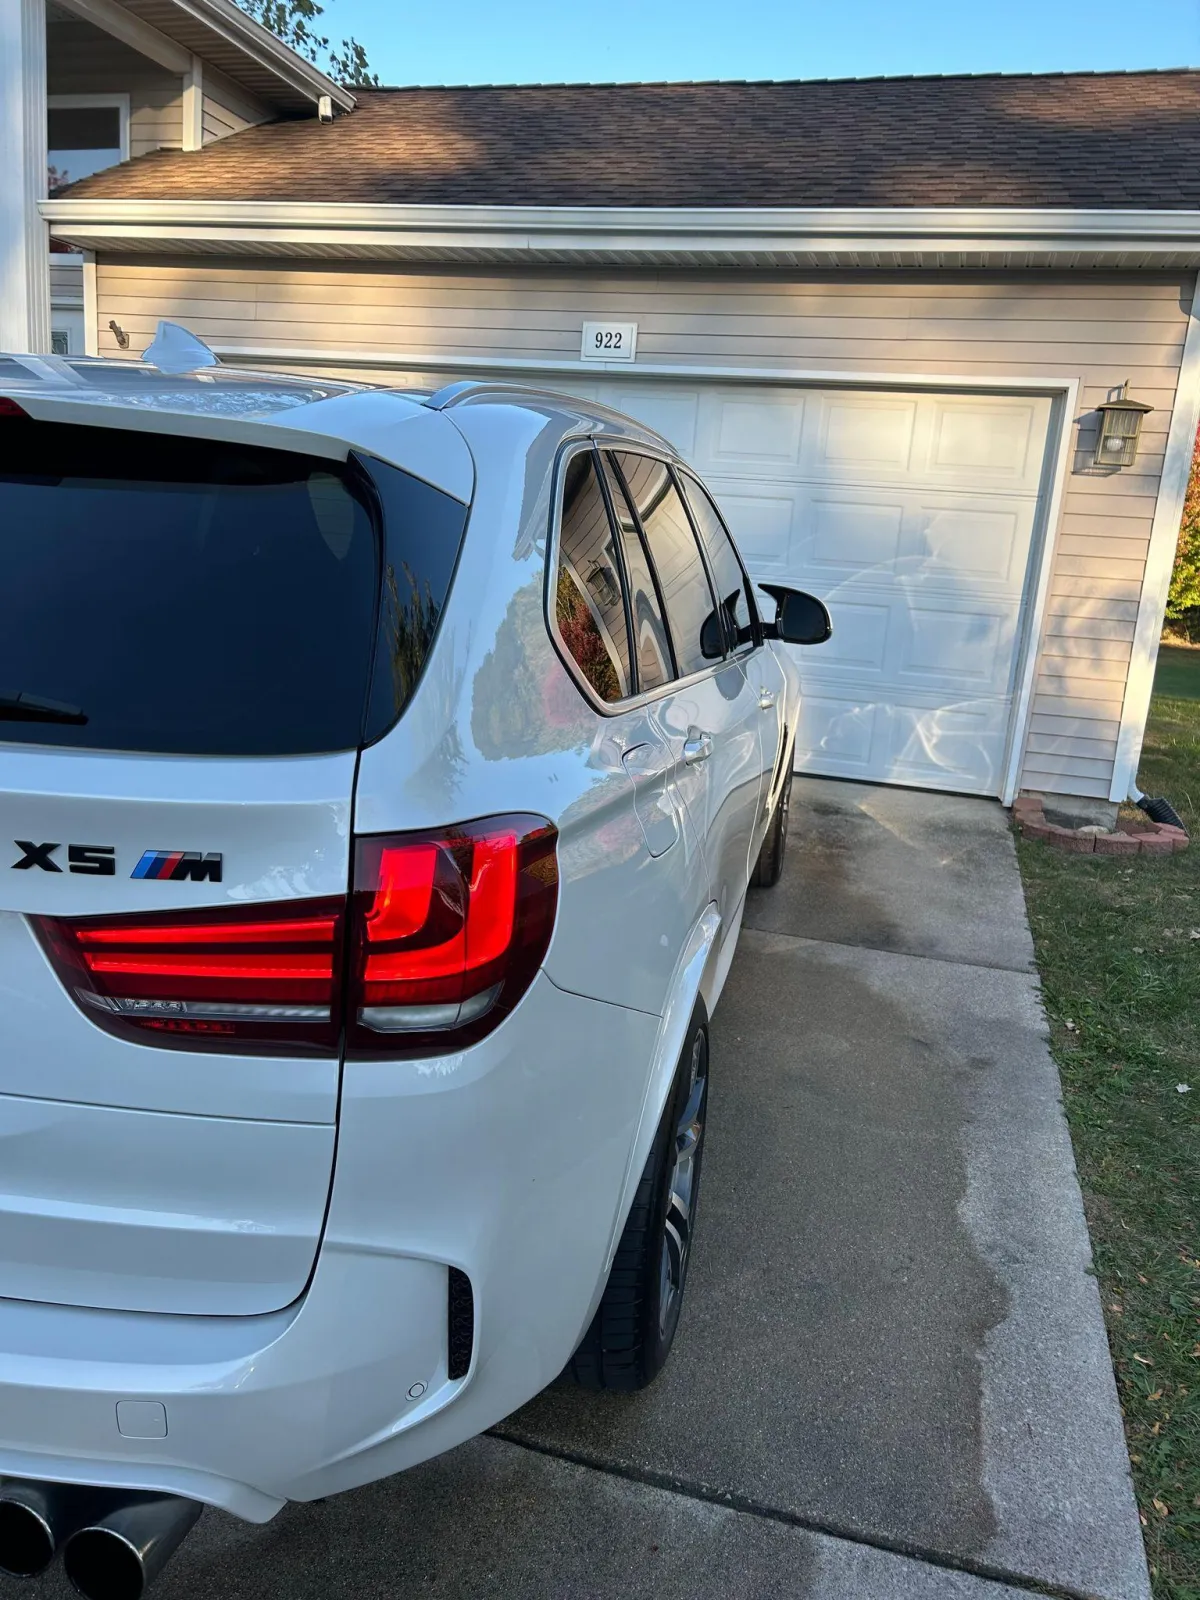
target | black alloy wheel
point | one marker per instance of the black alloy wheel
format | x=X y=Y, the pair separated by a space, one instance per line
x=630 y=1337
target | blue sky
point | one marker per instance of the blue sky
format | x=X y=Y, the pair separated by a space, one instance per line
x=523 y=41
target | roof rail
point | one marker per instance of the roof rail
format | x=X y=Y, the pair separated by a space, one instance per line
x=464 y=389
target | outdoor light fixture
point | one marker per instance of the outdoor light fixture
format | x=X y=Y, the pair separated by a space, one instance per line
x=1120 y=425
x=600 y=582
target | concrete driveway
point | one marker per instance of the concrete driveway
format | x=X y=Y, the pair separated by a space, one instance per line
x=892 y=1378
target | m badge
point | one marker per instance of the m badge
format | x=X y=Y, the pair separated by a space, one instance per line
x=178 y=865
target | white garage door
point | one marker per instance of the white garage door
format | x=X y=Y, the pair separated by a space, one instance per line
x=912 y=516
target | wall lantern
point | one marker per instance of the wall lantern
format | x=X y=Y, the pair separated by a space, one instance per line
x=600 y=582
x=1120 y=425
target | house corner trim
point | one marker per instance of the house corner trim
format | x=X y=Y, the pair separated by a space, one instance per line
x=1160 y=558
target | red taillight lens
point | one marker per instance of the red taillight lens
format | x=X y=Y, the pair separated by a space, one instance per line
x=449 y=930
x=10 y=408
x=262 y=979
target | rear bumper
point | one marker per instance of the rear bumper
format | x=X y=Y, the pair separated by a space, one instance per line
x=506 y=1161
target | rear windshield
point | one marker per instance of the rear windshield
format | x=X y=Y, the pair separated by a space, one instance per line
x=200 y=598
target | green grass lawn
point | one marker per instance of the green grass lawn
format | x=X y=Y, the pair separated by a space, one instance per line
x=1178 y=675
x=1118 y=946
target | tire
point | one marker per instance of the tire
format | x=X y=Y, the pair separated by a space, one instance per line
x=630 y=1337
x=768 y=869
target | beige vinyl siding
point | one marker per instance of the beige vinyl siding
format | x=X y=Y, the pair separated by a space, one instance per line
x=1099 y=329
x=82 y=59
x=226 y=109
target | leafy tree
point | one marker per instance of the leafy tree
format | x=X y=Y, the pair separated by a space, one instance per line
x=1183 y=598
x=296 y=22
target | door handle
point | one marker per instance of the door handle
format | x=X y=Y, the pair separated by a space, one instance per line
x=697 y=746
x=765 y=700
x=645 y=762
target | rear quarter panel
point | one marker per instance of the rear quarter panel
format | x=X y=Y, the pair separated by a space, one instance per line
x=498 y=725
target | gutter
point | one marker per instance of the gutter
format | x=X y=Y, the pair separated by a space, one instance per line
x=693 y=236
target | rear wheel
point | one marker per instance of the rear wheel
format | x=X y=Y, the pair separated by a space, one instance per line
x=768 y=869
x=631 y=1334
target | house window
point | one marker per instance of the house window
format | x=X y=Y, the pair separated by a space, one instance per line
x=85 y=134
x=60 y=342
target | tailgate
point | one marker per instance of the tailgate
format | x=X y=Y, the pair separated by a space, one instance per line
x=134 y=1176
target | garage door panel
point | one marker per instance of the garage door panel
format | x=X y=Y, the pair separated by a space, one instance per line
x=912 y=515
x=957 y=746
x=668 y=409
x=846 y=533
x=945 y=746
x=973 y=541
x=761 y=523
x=754 y=428
x=863 y=434
x=932 y=648
x=837 y=732
x=955 y=544
x=998 y=442
x=859 y=643
x=976 y=642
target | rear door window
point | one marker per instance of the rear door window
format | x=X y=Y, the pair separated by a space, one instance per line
x=652 y=643
x=682 y=579
x=201 y=598
x=589 y=608
x=733 y=586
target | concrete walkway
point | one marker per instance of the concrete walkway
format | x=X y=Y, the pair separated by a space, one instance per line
x=892 y=1379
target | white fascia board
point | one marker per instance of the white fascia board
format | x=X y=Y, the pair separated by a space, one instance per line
x=241 y=30
x=121 y=24
x=618 y=231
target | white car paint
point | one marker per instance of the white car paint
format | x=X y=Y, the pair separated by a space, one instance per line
x=176 y=1225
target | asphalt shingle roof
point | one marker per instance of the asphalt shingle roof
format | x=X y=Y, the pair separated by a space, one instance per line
x=1078 y=139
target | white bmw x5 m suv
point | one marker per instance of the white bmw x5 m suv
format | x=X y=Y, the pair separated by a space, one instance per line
x=381 y=777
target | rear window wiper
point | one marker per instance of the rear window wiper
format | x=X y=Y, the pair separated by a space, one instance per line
x=22 y=707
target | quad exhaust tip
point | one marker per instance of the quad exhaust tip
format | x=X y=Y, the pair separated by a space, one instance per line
x=118 y=1556
x=114 y=1542
x=30 y=1527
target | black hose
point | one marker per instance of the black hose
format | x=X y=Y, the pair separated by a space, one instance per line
x=1161 y=810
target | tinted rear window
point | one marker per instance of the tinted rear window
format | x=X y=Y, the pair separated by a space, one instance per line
x=202 y=598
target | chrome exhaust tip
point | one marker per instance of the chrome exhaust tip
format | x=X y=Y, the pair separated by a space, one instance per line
x=35 y=1518
x=118 y=1556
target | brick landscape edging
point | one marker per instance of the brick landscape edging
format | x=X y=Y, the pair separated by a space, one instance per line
x=1151 y=839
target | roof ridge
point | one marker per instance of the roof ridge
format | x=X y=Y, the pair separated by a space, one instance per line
x=784 y=83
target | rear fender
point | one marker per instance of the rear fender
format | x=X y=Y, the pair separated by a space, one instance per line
x=693 y=979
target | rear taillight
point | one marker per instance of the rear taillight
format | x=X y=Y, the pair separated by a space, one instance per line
x=260 y=978
x=446 y=932
x=449 y=929
x=10 y=408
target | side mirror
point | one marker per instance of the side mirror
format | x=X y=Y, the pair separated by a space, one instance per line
x=800 y=618
x=712 y=637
